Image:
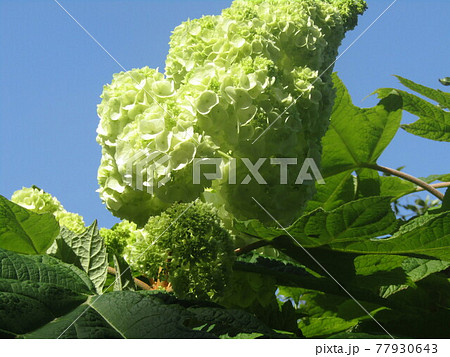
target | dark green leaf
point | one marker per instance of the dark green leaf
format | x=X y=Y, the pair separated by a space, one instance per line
x=328 y=314
x=42 y=297
x=367 y=277
x=357 y=335
x=340 y=265
x=256 y=229
x=389 y=274
x=289 y=276
x=128 y=314
x=285 y=273
x=229 y=322
x=144 y=316
x=247 y=336
x=431 y=238
x=428 y=302
x=356 y=220
x=86 y=251
x=82 y=322
x=368 y=183
x=446 y=201
x=124 y=278
x=36 y=289
x=43 y=269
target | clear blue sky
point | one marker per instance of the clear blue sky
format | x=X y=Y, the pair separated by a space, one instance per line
x=52 y=73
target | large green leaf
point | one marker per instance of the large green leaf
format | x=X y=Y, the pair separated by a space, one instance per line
x=358 y=136
x=430 y=236
x=122 y=314
x=284 y=273
x=36 y=289
x=395 y=187
x=230 y=322
x=339 y=189
x=355 y=138
x=42 y=297
x=355 y=220
x=43 y=269
x=428 y=301
x=24 y=231
x=416 y=270
x=328 y=314
x=388 y=274
x=253 y=287
x=434 y=120
x=369 y=278
x=86 y=251
x=127 y=314
x=288 y=276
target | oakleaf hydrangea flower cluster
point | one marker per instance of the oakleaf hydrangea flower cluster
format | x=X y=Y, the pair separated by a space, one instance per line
x=253 y=82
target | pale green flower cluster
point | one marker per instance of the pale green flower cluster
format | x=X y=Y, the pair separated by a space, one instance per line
x=118 y=237
x=38 y=201
x=186 y=245
x=141 y=115
x=228 y=78
x=72 y=221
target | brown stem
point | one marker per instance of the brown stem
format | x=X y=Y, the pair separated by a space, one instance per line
x=250 y=247
x=406 y=177
x=138 y=282
x=436 y=185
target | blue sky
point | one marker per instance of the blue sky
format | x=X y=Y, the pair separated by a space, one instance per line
x=52 y=73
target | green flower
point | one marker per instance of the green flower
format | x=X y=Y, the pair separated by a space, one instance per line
x=38 y=201
x=253 y=82
x=187 y=246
